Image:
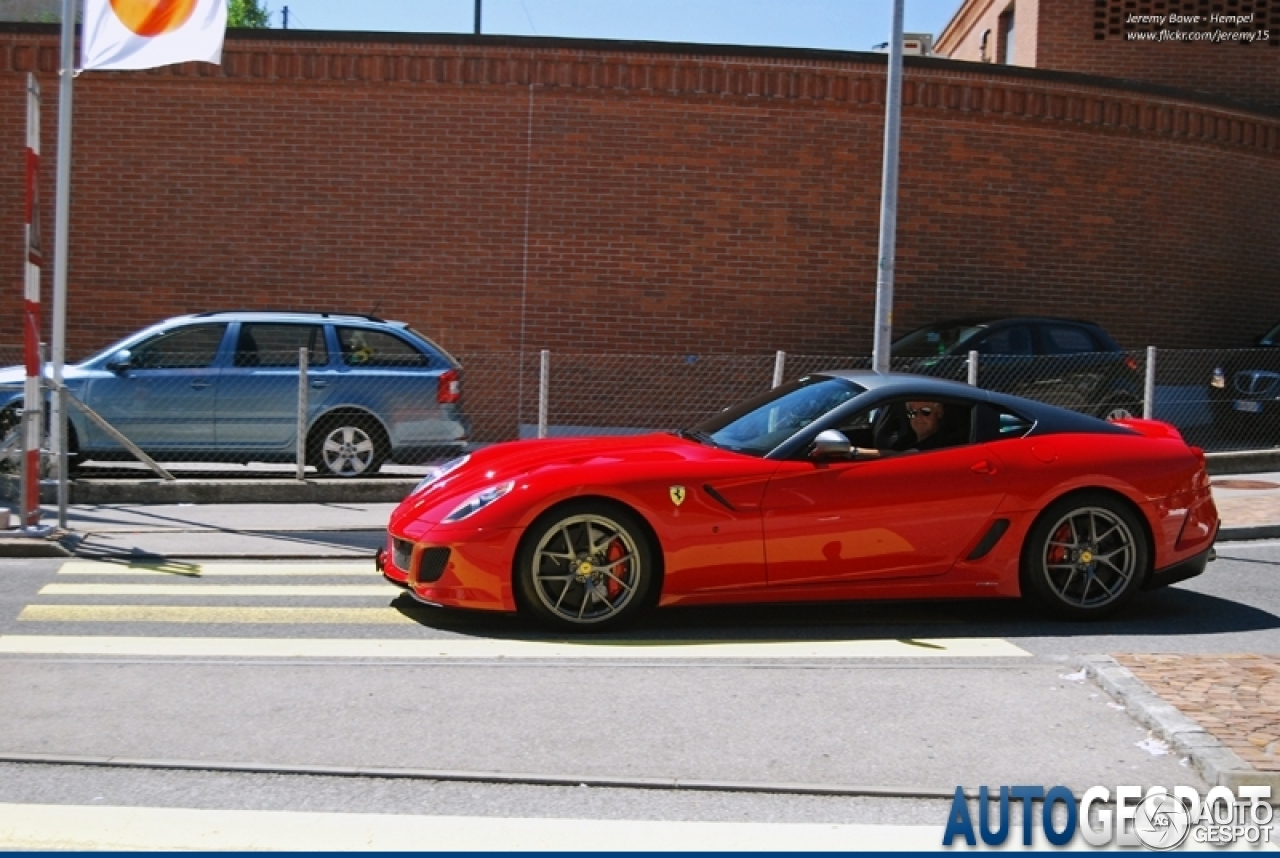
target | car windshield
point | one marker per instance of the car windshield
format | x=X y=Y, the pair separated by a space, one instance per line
x=933 y=341
x=758 y=425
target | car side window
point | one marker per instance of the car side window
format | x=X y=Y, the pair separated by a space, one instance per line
x=367 y=348
x=277 y=345
x=888 y=427
x=1014 y=340
x=193 y=347
x=1068 y=340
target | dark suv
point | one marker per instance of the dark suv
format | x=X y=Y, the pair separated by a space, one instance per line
x=1244 y=392
x=224 y=387
x=1065 y=362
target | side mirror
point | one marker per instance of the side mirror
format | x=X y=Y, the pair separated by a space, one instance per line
x=120 y=361
x=830 y=444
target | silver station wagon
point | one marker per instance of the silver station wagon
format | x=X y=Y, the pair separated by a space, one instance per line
x=224 y=387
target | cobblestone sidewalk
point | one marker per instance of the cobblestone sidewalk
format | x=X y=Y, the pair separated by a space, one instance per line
x=1236 y=698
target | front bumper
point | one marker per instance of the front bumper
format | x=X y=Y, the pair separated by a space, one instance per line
x=472 y=572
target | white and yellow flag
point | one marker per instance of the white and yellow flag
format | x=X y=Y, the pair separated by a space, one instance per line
x=144 y=34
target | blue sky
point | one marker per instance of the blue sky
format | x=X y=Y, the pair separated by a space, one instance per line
x=852 y=25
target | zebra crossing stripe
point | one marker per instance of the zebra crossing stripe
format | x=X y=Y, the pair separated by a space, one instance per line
x=183 y=569
x=483 y=648
x=216 y=590
x=84 y=827
x=209 y=614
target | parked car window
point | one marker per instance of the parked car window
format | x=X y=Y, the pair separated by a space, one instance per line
x=193 y=347
x=440 y=350
x=933 y=341
x=361 y=347
x=1014 y=340
x=1068 y=340
x=277 y=345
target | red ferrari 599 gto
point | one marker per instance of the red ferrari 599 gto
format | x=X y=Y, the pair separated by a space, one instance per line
x=826 y=488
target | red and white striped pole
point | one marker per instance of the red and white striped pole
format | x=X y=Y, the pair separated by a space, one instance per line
x=33 y=396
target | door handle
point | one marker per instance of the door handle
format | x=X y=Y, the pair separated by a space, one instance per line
x=317 y=385
x=200 y=384
x=983 y=467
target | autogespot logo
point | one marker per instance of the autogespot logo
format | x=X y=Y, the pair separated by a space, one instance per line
x=1160 y=819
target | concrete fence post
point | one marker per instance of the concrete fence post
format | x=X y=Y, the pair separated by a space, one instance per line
x=1149 y=388
x=544 y=390
x=973 y=368
x=779 y=367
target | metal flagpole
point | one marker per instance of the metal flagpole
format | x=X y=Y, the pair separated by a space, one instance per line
x=62 y=220
x=889 y=198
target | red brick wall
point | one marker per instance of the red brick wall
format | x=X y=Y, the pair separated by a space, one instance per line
x=1088 y=38
x=582 y=197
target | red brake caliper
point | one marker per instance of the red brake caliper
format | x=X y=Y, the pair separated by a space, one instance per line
x=616 y=552
x=1058 y=553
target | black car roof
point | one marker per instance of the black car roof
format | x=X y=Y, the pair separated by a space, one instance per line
x=1049 y=419
x=999 y=320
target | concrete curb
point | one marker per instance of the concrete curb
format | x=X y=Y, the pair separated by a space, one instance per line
x=1245 y=533
x=55 y=543
x=1242 y=462
x=1215 y=762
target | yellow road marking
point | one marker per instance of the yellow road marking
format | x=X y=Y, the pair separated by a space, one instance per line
x=481 y=648
x=202 y=590
x=204 y=614
x=173 y=568
x=84 y=827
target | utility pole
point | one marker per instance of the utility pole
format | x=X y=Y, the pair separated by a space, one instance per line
x=285 y=15
x=889 y=198
x=478 y=17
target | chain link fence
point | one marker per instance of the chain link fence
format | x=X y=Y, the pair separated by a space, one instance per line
x=407 y=416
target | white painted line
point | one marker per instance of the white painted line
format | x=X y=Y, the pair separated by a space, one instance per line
x=214 y=590
x=42 y=826
x=206 y=614
x=180 y=569
x=469 y=648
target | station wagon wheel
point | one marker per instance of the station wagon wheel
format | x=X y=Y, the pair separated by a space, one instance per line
x=1120 y=409
x=585 y=568
x=1085 y=557
x=11 y=438
x=11 y=442
x=348 y=446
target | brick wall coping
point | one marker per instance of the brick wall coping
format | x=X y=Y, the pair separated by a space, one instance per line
x=693 y=71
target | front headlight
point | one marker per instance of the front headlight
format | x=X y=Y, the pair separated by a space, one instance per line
x=438 y=472
x=479 y=501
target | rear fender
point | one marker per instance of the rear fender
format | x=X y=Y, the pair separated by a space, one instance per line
x=1151 y=428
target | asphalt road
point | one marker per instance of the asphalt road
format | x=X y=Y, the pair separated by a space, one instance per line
x=900 y=700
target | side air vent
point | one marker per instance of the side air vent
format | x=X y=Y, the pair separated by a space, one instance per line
x=998 y=527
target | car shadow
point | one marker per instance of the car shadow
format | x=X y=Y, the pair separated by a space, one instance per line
x=1166 y=612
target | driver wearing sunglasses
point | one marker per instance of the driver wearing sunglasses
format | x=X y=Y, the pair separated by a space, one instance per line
x=926 y=421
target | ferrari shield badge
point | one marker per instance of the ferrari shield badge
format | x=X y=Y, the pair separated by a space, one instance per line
x=677 y=495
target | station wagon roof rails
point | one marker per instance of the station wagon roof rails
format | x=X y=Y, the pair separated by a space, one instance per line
x=324 y=315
